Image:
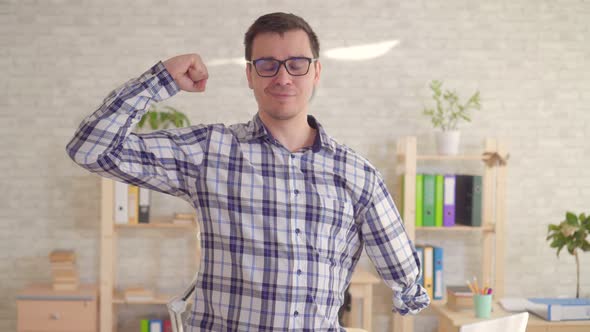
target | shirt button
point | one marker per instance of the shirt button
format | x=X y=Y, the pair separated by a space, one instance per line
x=297 y=231
x=299 y=272
x=296 y=192
x=296 y=313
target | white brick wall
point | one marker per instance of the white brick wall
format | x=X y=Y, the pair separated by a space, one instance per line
x=529 y=59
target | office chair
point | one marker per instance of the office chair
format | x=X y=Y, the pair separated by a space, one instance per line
x=513 y=323
x=177 y=306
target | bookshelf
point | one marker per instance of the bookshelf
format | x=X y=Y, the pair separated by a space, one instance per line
x=493 y=213
x=109 y=233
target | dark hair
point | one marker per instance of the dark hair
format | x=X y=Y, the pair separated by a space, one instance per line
x=280 y=23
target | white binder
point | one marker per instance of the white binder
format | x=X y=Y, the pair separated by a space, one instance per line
x=121 y=203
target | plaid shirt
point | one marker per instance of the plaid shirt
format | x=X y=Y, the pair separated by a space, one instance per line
x=281 y=231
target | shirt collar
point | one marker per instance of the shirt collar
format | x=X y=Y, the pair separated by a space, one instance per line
x=256 y=129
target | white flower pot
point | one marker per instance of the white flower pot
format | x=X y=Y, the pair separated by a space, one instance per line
x=447 y=142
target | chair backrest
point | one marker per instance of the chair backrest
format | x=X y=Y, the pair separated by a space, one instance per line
x=513 y=323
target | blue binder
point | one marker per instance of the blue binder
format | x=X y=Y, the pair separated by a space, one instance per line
x=439 y=287
x=557 y=309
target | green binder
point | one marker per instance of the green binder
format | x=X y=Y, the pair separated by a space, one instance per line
x=476 y=201
x=428 y=200
x=145 y=325
x=438 y=200
x=419 y=202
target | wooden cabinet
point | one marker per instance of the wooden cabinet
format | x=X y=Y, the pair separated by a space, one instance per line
x=492 y=161
x=41 y=309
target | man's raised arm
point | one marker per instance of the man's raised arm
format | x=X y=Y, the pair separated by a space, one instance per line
x=162 y=160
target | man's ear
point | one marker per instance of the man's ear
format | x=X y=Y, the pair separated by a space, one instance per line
x=318 y=70
x=248 y=75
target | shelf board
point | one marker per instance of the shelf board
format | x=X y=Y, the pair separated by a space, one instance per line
x=156 y=225
x=159 y=222
x=118 y=298
x=457 y=228
x=434 y=304
x=452 y=158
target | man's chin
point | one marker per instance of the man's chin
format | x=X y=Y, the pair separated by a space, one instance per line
x=282 y=114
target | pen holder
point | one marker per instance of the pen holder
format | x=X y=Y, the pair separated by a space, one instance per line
x=482 y=305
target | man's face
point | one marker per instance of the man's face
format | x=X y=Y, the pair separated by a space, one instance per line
x=283 y=96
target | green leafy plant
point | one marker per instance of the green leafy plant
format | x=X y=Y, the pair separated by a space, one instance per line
x=449 y=111
x=572 y=233
x=162 y=118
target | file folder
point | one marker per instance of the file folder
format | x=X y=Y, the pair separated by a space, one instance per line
x=428 y=200
x=438 y=200
x=438 y=284
x=449 y=201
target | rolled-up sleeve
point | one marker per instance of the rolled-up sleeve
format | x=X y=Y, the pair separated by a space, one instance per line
x=391 y=251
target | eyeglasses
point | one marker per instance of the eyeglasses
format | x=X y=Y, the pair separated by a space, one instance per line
x=268 y=67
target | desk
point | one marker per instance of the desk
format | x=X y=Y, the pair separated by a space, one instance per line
x=450 y=321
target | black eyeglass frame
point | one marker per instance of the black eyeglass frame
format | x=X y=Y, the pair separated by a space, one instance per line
x=284 y=64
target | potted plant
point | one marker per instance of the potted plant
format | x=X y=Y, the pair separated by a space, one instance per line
x=446 y=115
x=571 y=233
x=162 y=118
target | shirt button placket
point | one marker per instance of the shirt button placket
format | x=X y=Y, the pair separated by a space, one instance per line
x=296 y=190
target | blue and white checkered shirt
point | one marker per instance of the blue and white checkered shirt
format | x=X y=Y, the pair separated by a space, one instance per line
x=281 y=231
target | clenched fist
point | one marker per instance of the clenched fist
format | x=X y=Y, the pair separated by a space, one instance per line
x=189 y=72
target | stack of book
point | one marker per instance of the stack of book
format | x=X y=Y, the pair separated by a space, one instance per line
x=459 y=297
x=138 y=294
x=64 y=270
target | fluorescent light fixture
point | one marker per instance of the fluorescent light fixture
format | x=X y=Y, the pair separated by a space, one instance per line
x=227 y=61
x=361 y=52
x=351 y=53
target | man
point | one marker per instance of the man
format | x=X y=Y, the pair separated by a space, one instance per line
x=284 y=209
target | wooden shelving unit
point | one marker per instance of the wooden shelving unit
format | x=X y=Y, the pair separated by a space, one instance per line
x=109 y=233
x=493 y=212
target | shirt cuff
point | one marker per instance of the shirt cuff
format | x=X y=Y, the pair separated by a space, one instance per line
x=411 y=300
x=159 y=83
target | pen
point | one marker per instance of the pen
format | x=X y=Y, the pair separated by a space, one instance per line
x=475 y=285
x=470 y=287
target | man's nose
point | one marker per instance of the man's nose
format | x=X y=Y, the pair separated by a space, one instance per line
x=283 y=76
